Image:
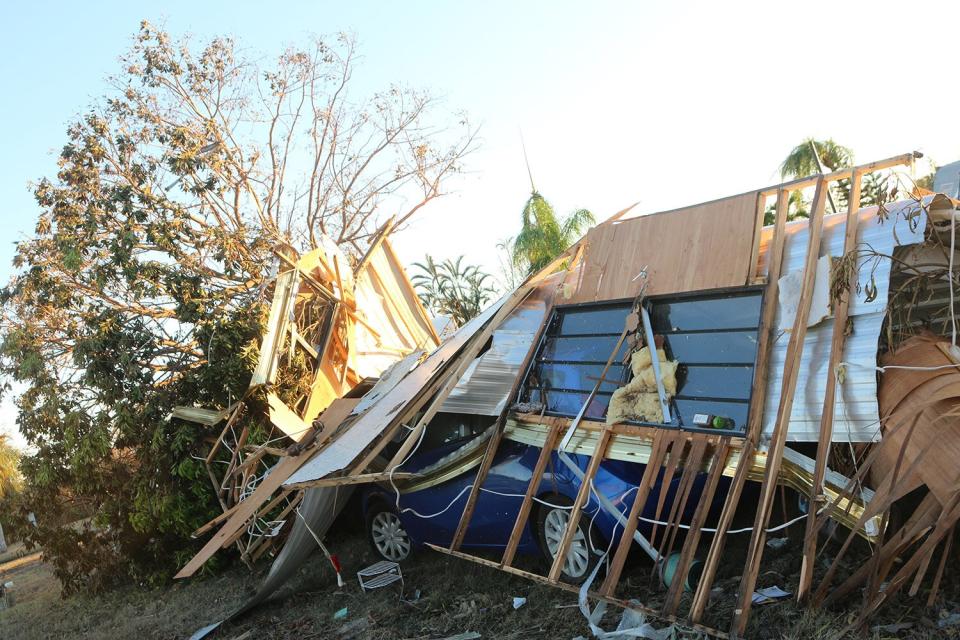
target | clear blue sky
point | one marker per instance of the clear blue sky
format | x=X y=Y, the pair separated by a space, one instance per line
x=669 y=104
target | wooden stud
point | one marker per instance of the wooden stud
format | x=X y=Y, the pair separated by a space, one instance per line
x=757 y=232
x=572 y=588
x=662 y=441
x=495 y=441
x=691 y=468
x=779 y=437
x=482 y=472
x=696 y=526
x=521 y=522
x=676 y=452
x=581 y=500
x=825 y=438
x=755 y=421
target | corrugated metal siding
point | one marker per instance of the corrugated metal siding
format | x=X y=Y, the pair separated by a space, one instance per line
x=484 y=388
x=856 y=416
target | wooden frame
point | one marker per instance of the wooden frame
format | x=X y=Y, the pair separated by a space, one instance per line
x=690 y=451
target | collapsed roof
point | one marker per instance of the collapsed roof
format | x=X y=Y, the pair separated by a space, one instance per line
x=794 y=358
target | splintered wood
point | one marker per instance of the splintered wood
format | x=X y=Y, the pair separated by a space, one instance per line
x=688 y=471
x=718 y=245
x=347 y=325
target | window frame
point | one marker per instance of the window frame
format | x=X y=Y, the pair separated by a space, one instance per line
x=649 y=303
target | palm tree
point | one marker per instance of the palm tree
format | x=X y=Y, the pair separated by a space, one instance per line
x=823 y=156
x=806 y=158
x=452 y=288
x=10 y=479
x=543 y=236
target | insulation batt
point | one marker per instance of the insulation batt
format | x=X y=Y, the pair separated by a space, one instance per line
x=638 y=400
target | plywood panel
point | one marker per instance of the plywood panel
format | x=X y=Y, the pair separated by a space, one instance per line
x=706 y=246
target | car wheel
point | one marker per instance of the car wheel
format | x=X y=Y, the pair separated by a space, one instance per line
x=551 y=524
x=386 y=534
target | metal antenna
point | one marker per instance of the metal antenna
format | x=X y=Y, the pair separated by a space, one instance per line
x=527 y=161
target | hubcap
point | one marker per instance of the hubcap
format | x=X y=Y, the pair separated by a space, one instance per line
x=389 y=537
x=578 y=559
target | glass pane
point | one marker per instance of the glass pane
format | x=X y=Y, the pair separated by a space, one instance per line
x=579 y=377
x=569 y=404
x=606 y=319
x=716 y=382
x=734 y=347
x=736 y=312
x=587 y=349
x=736 y=411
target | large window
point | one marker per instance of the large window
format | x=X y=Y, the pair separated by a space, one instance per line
x=713 y=336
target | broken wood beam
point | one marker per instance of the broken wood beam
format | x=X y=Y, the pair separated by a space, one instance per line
x=583 y=497
x=779 y=437
x=625 y=604
x=363 y=478
x=830 y=394
x=663 y=440
x=521 y=522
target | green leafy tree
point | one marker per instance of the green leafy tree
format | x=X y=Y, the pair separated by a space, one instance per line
x=10 y=478
x=452 y=288
x=543 y=236
x=141 y=288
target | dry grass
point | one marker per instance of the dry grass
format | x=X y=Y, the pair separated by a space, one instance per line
x=455 y=596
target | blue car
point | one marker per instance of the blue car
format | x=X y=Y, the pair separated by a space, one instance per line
x=445 y=465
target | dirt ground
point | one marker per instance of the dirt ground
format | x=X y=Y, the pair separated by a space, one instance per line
x=441 y=597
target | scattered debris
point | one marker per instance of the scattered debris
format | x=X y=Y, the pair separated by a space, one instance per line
x=769 y=594
x=519 y=602
x=379 y=575
x=340 y=614
x=949 y=620
x=896 y=627
x=723 y=396
x=778 y=543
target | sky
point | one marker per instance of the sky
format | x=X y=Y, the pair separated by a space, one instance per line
x=667 y=103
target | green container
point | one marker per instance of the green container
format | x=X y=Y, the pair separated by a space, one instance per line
x=669 y=567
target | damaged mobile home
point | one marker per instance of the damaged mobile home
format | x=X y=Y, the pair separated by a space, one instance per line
x=700 y=349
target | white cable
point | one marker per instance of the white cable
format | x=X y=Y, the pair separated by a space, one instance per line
x=897 y=366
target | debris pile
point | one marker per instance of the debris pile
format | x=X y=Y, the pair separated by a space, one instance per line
x=333 y=329
x=751 y=382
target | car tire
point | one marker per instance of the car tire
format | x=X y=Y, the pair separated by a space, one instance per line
x=385 y=533
x=551 y=523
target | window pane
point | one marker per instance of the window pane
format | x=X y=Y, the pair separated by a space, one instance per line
x=570 y=403
x=586 y=349
x=733 y=347
x=606 y=319
x=579 y=377
x=688 y=314
x=716 y=382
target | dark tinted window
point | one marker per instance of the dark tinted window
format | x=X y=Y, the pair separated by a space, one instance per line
x=712 y=335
